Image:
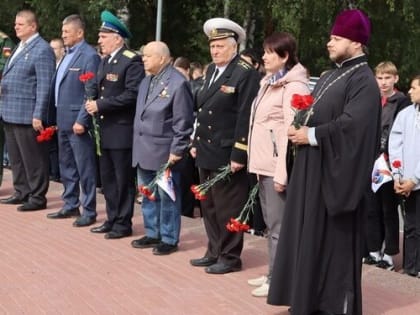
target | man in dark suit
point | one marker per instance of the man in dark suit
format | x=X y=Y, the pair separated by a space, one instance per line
x=221 y=136
x=76 y=151
x=119 y=76
x=24 y=98
x=162 y=129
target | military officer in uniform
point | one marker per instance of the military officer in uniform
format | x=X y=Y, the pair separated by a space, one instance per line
x=6 y=48
x=224 y=104
x=118 y=77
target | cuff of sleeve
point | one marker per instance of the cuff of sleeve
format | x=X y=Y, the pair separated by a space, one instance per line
x=311 y=137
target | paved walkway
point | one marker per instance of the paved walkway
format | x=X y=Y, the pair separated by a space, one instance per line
x=49 y=267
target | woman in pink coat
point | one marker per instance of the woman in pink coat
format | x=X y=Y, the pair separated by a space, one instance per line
x=271 y=115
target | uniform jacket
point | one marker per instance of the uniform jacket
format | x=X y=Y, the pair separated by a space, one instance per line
x=223 y=115
x=118 y=84
x=164 y=120
x=26 y=83
x=271 y=116
x=6 y=48
x=71 y=93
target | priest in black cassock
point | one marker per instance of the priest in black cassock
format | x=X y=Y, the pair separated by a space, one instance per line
x=318 y=263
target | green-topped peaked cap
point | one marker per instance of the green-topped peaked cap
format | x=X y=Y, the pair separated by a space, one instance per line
x=111 y=24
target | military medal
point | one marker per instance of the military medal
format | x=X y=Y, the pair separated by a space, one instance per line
x=7 y=52
x=113 y=77
x=227 y=89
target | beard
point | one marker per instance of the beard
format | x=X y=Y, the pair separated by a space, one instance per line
x=341 y=56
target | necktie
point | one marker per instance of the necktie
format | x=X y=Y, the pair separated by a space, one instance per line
x=213 y=78
x=151 y=86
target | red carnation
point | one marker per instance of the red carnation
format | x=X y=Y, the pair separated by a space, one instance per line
x=46 y=134
x=396 y=164
x=84 y=77
x=302 y=106
x=302 y=102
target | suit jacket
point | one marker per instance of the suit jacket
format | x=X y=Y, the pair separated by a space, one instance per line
x=164 y=120
x=118 y=84
x=72 y=93
x=223 y=115
x=26 y=83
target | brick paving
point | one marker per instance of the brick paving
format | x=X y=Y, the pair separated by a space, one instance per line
x=50 y=267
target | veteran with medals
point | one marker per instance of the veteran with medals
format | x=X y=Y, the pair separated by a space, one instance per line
x=224 y=104
x=119 y=75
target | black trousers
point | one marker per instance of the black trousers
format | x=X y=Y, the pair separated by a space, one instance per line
x=118 y=185
x=29 y=162
x=411 y=257
x=383 y=220
x=225 y=200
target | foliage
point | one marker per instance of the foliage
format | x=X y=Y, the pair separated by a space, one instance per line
x=395 y=32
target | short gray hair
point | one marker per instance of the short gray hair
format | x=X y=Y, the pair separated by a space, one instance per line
x=76 y=20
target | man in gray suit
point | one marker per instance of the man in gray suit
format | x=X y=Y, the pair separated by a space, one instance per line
x=76 y=148
x=24 y=100
x=162 y=128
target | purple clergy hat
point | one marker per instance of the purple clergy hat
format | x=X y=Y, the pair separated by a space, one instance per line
x=353 y=25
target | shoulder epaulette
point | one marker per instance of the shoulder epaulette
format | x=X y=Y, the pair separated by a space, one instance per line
x=244 y=64
x=129 y=54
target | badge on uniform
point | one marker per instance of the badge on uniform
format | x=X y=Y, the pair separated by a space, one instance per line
x=164 y=93
x=227 y=89
x=7 y=52
x=113 y=77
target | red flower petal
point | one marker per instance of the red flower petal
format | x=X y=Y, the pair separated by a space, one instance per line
x=396 y=164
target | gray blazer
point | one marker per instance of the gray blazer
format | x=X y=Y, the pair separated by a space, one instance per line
x=164 y=120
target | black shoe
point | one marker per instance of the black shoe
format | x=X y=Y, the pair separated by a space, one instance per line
x=13 y=200
x=411 y=273
x=164 y=249
x=222 y=268
x=84 y=221
x=114 y=234
x=145 y=242
x=370 y=260
x=385 y=265
x=104 y=228
x=64 y=214
x=55 y=179
x=203 y=262
x=27 y=206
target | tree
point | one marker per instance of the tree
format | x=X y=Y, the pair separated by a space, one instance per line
x=395 y=30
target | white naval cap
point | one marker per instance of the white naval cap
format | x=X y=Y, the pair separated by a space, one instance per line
x=218 y=28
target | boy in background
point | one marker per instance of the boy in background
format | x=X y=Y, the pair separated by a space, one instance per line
x=383 y=220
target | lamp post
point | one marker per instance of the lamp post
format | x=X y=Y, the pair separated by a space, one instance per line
x=159 y=20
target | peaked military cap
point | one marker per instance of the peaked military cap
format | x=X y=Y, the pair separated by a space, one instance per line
x=111 y=24
x=219 y=28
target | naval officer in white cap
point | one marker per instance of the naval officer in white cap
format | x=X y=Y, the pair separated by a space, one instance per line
x=221 y=136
